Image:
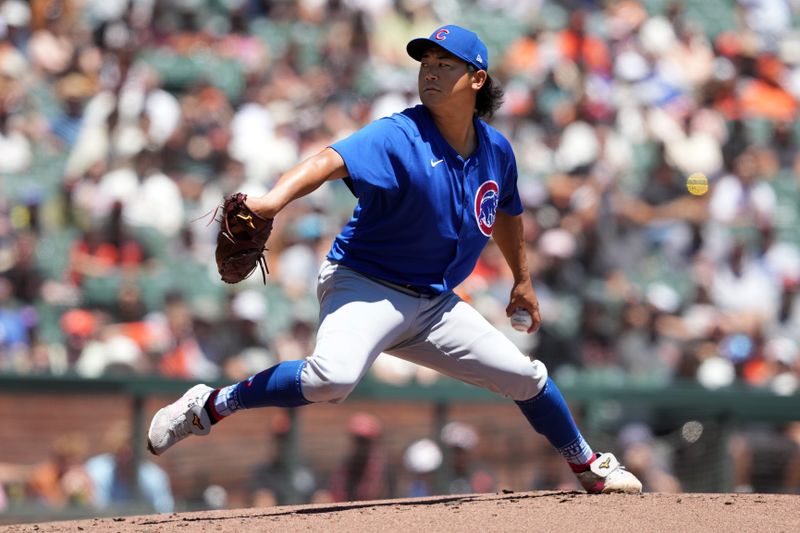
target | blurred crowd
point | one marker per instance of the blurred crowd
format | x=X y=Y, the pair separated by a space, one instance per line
x=70 y=479
x=454 y=461
x=123 y=123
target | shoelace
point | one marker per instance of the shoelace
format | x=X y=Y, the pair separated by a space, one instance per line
x=181 y=429
x=619 y=468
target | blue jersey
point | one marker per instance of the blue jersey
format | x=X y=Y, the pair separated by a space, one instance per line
x=424 y=213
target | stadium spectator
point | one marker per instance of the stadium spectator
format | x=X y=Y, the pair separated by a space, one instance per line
x=78 y=328
x=14 y=481
x=25 y=274
x=766 y=459
x=285 y=479
x=242 y=343
x=15 y=326
x=112 y=476
x=106 y=251
x=422 y=460
x=647 y=458
x=182 y=355
x=110 y=354
x=364 y=472
x=14 y=143
x=466 y=475
x=63 y=480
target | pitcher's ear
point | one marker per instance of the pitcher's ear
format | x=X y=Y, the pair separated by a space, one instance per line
x=478 y=78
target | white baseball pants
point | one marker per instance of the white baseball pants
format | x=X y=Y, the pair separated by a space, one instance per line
x=360 y=318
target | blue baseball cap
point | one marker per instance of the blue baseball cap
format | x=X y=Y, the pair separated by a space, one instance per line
x=462 y=43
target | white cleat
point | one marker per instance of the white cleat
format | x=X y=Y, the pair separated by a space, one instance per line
x=178 y=420
x=606 y=475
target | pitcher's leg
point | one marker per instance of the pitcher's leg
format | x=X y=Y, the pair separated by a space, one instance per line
x=202 y=406
x=492 y=362
x=464 y=345
x=454 y=339
x=348 y=341
x=548 y=413
x=358 y=318
x=460 y=343
x=277 y=386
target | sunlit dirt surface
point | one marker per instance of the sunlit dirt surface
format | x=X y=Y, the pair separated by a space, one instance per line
x=524 y=511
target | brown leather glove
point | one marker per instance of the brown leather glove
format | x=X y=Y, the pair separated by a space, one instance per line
x=241 y=241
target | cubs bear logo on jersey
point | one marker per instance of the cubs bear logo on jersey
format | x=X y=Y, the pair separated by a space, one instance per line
x=486 y=200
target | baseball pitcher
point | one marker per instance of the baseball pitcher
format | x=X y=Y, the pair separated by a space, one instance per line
x=434 y=183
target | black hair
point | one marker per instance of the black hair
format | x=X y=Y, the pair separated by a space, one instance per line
x=489 y=98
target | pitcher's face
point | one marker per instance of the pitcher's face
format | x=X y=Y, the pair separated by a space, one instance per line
x=444 y=77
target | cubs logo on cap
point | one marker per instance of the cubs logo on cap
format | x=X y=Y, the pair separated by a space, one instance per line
x=461 y=42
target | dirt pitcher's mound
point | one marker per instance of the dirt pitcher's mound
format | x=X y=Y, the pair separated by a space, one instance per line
x=524 y=511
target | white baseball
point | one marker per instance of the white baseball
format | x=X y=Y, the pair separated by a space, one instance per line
x=521 y=319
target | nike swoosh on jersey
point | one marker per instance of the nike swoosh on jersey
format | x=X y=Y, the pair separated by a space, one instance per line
x=434 y=163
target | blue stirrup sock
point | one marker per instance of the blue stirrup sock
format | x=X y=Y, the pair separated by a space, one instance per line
x=278 y=386
x=549 y=415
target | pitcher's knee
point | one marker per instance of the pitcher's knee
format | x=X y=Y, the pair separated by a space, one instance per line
x=327 y=385
x=527 y=383
x=333 y=392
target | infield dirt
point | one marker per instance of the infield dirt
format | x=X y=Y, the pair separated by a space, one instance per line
x=524 y=511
